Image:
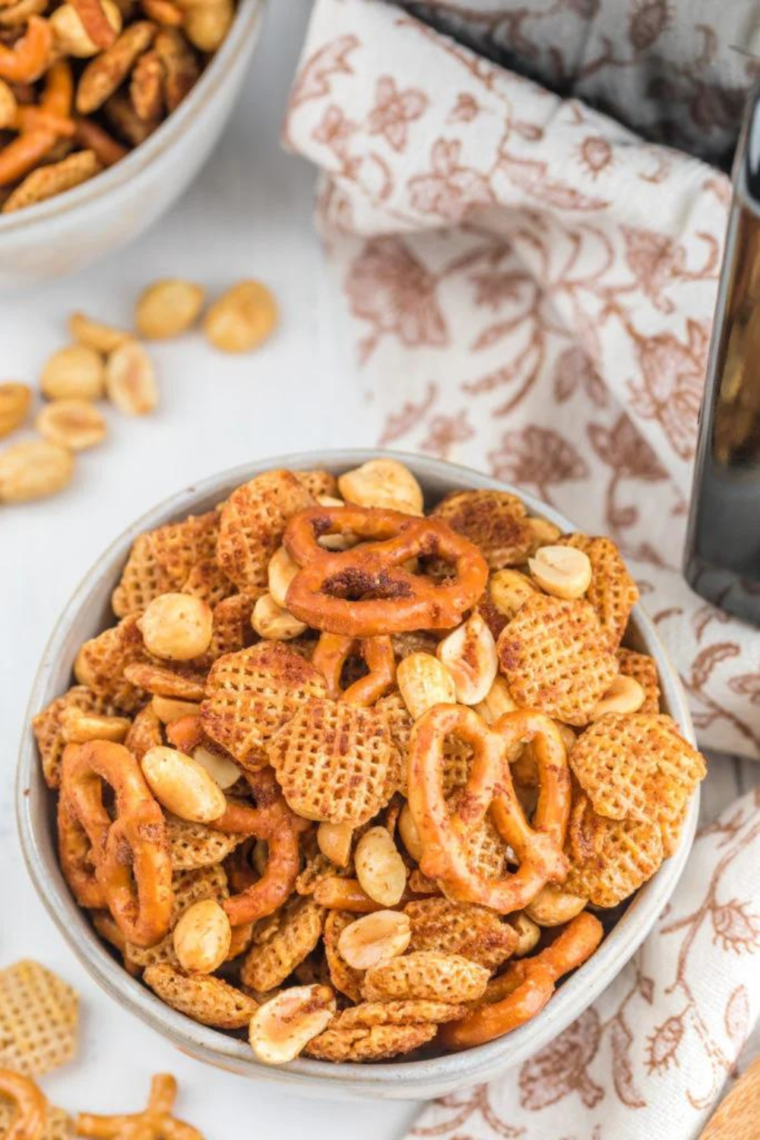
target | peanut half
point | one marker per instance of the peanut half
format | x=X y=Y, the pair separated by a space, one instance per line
x=379 y=867
x=284 y=1025
x=168 y=308
x=383 y=483
x=131 y=379
x=73 y=373
x=15 y=402
x=375 y=938
x=424 y=681
x=182 y=785
x=177 y=627
x=469 y=654
x=202 y=937
x=78 y=726
x=625 y=695
x=95 y=334
x=34 y=469
x=221 y=769
x=334 y=841
x=242 y=318
x=273 y=622
x=75 y=424
x=561 y=571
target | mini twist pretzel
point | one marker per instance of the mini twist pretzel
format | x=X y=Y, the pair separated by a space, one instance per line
x=333 y=651
x=28 y=58
x=525 y=987
x=131 y=852
x=273 y=821
x=366 y=590
x=154 y=1123
x=30 y=1115
x=445 y=832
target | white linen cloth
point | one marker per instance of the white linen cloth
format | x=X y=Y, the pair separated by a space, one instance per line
x=530 y=288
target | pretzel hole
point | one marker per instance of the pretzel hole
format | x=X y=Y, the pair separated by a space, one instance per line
x=355 y=585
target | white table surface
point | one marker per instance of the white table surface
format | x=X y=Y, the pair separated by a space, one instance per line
x=248 y=215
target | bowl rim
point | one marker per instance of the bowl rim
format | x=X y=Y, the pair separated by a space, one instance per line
x=406 y=1079
x=247 y=22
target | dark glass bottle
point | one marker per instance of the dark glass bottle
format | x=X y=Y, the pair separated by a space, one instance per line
x=722 y=558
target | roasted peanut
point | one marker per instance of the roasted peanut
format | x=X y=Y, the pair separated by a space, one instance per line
x=383 y=483
x=168 y=308
x=497 y=702
x=73 y=373
x=469 y=654
x=528 y=934
x=34 y=469
x=375 y=938
x=168 y=709
x=202 y=937
x=221 y=769
x=75 y=424
x=553 y=906
x=15 y=402
x=410 y=836
x=242 y=318
x=509 y=590
x=95 y=334
x=78 y=726
x=177 y=627
x=284 y=1025
x=625 y=695
x=69 y=35
x=206 y=24
x=334 y=841
x=131 y=379
x=280 y=573
x=379 y=868
x=182 y=785
x=424 y=681
x=273 y=622
x=561 y=571
x=544 y=532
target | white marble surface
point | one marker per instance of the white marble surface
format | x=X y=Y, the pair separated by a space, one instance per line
x=249 y=214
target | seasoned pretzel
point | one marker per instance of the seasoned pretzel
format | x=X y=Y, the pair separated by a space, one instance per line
x=445 y=832
x=333 y=651
x=27 y=59
x=366 y=590
x=25 y=152
x=273 y=821
x=154 y=1123
x=30 y=1115
x=526 y=986
x=130 y=852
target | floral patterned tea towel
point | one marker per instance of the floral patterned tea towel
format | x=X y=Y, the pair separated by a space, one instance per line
x=530 y=289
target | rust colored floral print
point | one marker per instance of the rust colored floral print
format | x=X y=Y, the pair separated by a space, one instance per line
x=531 y=289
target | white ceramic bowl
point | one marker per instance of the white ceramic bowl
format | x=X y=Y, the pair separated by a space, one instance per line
x=89 y=611
x=71 y=230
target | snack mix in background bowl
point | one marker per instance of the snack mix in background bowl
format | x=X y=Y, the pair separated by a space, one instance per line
x=359 y=776
x=83 y=82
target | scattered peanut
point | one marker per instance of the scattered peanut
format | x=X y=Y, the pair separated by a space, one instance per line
x=15 y=402
x=410 y=836
x=177 y=627
x=273 y=622
x=221 y=769
x=71 y=373
x=375 y=938
x=625 y=695
x=334 y=841
x=383 y=483
x=75 y=424
x=183 y=785
x=379 y=867
x=131 y=379
x=424 y=681
x=562 y=571
x=469 y=654
x=167 y=308
x=69 y=35
x=78 y=726
x=202 y=937
x=242 y=318
x=281 y=572
x=95 y=334
x=169 y=709
x=284 y=1025
x=34 y=469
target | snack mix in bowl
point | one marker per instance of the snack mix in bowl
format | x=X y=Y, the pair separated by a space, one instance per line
x=360 y=780
x=83 y=82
